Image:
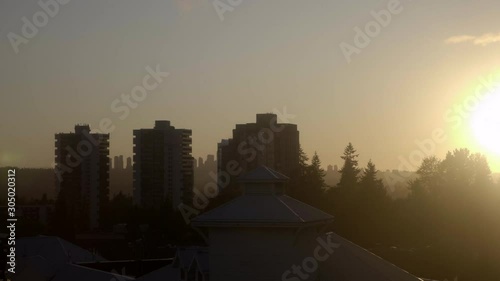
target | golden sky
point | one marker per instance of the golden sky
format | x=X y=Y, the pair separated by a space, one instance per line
x=408 y=84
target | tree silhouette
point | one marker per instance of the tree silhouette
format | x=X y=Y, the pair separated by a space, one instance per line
x=342 y=200
x=315 y=183
x=452 y=211
x=308 y=183
x=371 y=185
x=298 y=180
x=373 y=206
x=350 y=170
x=316 y=174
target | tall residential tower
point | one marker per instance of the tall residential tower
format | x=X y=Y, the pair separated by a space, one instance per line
x=265 y=142
x=163 y=166
x=82 y=179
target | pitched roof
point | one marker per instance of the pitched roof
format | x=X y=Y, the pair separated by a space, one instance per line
x=35 y=268
x=75 y=272
x=263 y=174
x=351 y=262
x=38 y=268
x=271 y=210
x=263 y=204
x=55 y=250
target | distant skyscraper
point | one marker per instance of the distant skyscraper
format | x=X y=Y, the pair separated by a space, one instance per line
x=120 y=176
x=129 y=163
x=205 y=172
x=265 y=142
x=84 y=186
x=163 y=166
x=118 y=162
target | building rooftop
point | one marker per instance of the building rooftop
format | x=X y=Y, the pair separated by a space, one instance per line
x=352 y=262
x=263 y=210
x=263 y=174
x=264 y=205
x=75 y=272
x=54 y=249
x=45 y=258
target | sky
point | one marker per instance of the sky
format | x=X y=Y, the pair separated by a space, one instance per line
x=400 y=88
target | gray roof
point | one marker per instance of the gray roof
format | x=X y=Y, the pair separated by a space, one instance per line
x=75 y=272
x=263 y=174
x=270 y=210
x=351 y=262
x=48 y=258
x=54 y=249
x=34 y=268
x=260 y=208
x=38 y=268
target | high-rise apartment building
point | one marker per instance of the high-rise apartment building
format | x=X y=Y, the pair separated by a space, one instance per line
x=163 y=166
x=82 y=159
x=265 y=142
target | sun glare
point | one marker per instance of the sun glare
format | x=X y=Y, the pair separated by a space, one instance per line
x=485 y=122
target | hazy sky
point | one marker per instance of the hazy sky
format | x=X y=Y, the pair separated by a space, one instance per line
x=255 y=57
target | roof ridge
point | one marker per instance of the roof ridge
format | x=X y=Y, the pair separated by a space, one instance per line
x=303 y=203
x=370 y=254
x=114 y=274
x=263 y=173
x=289 y=208
x=212 y=210
x=64 y=248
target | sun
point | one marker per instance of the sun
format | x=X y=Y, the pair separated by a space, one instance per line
x=485 y=122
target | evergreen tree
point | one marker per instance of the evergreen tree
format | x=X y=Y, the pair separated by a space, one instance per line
x=370 y=184
x=350 y=170
x=303 y=160
x=316 y=174
x=298 y=178
x=342 y=200
x=373 y=207
x=314 y=181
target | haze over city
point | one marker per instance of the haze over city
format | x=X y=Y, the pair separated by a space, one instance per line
x=410 y=79
x=250 y=140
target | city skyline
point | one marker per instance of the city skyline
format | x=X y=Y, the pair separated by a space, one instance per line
x=411 y=66
x=223 y=140
x=404 y=163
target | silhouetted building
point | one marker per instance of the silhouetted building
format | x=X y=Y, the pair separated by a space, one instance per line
x=265 y=142
x=205 y=171
x=163 y=166
x=121 y=177
x=118 y=162
x=332 y=175
x=84 y=185
x=129 y=163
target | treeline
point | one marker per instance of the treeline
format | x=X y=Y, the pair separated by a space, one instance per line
x=448 y=227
